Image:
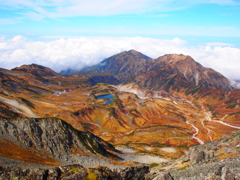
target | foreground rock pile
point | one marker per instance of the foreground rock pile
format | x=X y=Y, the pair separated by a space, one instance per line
x=217 y=160
x=76 y=172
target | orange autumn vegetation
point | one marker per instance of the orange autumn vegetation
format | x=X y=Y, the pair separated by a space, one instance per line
x=13 y=151
x=129 y=120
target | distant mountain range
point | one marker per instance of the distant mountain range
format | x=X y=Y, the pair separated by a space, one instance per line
x=166 y=72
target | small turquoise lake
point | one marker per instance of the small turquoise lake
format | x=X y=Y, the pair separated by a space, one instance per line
x=105 y=96
x=108 y=101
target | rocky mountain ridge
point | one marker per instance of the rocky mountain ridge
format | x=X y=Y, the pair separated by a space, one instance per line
x=123 y=66
x=36 y=70
x=168 y=71
x=179 y=71
x=51 y=141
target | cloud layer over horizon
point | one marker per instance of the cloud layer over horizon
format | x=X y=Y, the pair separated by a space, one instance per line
x=77 y=52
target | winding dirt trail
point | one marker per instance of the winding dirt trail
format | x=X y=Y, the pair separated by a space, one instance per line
x=236 y=127
x=208 y=131
x=196 y=133
x=208 y=116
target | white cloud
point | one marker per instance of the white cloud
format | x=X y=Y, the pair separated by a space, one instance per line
x=77 y=52
x=71 y=8
x=7 y=21
x=220 y=44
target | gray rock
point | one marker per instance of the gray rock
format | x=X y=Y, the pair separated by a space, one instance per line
x=73 y=172
x=165 y=176
x=196 y=157
x=55 y=138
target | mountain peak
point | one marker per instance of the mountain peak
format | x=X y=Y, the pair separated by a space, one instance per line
x=176 y=70
x=181 y=62
x=174 y=58
x=137 y=54
x=124 y=65
x=179 y=70
x=36 y=70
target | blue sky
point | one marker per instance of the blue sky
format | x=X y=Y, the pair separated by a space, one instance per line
x=31 y=31
x=145 y=18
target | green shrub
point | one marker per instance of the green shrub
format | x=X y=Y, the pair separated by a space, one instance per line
x=153 y=165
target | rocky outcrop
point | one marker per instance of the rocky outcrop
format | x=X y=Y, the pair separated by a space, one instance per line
x=227 y=146
x=53 y=138
x=176 y=71
x=74 y=172
x=217 y=160
x=41 y=142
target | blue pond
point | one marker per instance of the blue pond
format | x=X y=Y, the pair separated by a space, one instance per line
x=108 y=102
x=105 y=96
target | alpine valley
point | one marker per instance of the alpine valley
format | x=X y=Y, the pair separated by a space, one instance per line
x=128 y=117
